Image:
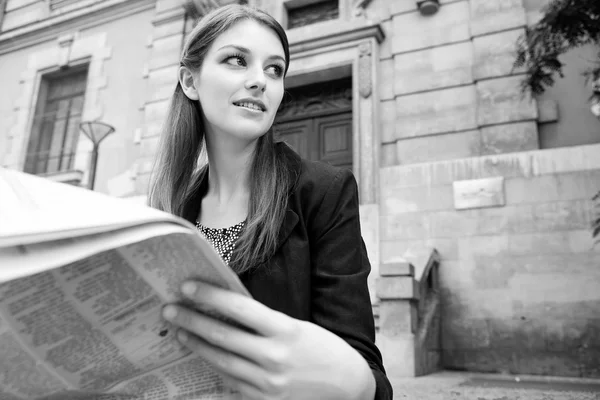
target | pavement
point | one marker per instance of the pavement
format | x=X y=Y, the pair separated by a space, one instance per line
x=447 y=385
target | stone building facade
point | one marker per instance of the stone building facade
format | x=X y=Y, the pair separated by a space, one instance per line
x=426 y=110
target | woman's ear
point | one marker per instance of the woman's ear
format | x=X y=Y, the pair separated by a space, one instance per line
x=186 y=80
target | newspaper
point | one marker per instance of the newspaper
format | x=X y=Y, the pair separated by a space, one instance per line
x=83 y=279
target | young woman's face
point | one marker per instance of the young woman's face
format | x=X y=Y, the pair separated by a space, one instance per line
x=240 y=83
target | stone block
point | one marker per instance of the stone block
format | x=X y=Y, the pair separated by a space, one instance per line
x=550 y=243
x=86 y=46
x=386 y=90
x=165 y=52
x=29 y=14
x=385 y=47
x=556 y=293
x=492 y=273
x=149 y=146
x=404 y=226
x=438 y=147
x=394 y=250
x=433 y=68
x=440 y=111
x=378 y=10
x=397 y=268
x=494 y=16
x=562 y=215
x=398 y=354
x=145 y=166
x=387 y=112
x=479 y=193
x=501 y=100
x=509 y=138
x=413 y=31
x=388 y=154
x=48 y=57
x=14 y=4
x=547 y=110
x=483 y=245
x=142 y=182
x=465 y=334
x=450 y=224
x=398 y=200
x=398 y=317
x=397 y=288
x=156 y=111
x=495 y=54
x=566 y=159
x=166 y=5
x=553 y=187
x=445 y=172
x=168 y=28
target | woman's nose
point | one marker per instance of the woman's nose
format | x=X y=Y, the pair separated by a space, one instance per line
x=256 y=80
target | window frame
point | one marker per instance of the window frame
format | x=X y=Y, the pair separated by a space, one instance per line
x=32 y=158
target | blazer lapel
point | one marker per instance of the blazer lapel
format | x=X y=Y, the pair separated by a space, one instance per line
x=289 y=223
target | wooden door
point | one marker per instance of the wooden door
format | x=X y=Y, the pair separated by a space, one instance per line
x=316 y=121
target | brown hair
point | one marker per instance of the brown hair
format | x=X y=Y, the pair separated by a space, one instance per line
x=178 y=168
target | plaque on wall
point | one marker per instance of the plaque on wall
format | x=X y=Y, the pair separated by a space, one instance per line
x=479 y=193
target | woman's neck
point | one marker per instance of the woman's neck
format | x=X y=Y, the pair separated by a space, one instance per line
x=228 y=173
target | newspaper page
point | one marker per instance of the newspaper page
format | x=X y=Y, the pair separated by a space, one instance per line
x=80 y=317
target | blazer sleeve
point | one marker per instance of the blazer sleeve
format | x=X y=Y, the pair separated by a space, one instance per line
x=340 y=266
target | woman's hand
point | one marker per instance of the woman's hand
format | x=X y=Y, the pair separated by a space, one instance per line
x=284 y=359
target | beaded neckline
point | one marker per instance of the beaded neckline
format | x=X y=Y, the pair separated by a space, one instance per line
x=222 y=239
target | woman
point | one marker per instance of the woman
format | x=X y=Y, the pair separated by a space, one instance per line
x=288 y=227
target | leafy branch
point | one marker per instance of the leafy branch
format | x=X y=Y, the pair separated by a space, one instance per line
x=565 y=25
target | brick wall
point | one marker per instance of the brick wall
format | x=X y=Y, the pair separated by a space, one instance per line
x=519 y=274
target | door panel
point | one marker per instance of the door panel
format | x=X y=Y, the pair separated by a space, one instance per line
x=296 y=134
x=334 y=135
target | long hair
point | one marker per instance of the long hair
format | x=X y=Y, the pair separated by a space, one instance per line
x=179 y=167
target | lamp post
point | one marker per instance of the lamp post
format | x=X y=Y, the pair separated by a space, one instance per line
x=96 y=131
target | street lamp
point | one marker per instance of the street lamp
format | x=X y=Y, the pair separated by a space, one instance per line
x=96 y=131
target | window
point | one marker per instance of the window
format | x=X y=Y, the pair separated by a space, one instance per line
x=307 y=14
x=55 y=128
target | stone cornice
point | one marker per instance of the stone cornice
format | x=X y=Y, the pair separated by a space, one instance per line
x=333 y=33
x=52 y=27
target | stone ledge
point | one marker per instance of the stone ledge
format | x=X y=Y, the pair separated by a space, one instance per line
x=41 y=31
x=331 y=33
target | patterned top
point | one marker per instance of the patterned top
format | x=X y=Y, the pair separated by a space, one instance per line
x=222 y=239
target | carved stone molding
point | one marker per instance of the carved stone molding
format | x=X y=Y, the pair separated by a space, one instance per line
x=359 y=6
x=364 y=70
x=324 y=97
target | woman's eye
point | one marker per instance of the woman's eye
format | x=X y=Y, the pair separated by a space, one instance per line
x=275 y=70
x=238 y=61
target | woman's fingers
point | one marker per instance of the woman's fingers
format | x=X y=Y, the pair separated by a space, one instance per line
x=240 y=373
x=244 y=310
x=220 y=334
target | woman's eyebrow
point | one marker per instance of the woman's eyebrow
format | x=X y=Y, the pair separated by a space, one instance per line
x=246 y=50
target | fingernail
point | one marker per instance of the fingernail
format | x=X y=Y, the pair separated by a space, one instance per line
x=182 y=336
x=188 y=288
x=169 y=312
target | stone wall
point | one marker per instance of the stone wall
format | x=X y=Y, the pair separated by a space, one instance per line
x=519 y=273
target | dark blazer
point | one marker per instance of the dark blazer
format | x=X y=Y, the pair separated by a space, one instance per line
x=319 y=271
